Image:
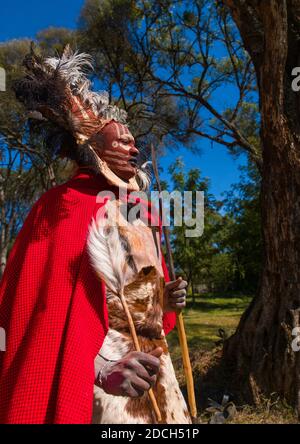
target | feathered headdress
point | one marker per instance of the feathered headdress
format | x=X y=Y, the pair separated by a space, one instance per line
x=57 y=94
x=58 y=90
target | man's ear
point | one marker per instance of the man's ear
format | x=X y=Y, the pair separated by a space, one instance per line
x=97 y=142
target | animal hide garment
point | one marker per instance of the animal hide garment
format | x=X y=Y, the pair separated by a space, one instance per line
x=129 y=248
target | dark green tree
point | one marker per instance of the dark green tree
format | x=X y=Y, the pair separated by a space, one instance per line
x=193 y=255
x=243 y=239
x=180 y=53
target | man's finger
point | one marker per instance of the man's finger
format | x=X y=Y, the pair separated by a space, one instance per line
x=179 y=305
x=143 y=373
x=140 y=385
x=151 y=362
x=177 y=294
x=157 y=352
x=182 y=285
x=174 y=284
x=177 y=301
x=131 y=392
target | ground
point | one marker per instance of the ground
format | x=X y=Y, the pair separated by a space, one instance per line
x=207 y=322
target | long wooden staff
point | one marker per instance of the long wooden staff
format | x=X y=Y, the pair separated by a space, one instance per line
x=179 y=317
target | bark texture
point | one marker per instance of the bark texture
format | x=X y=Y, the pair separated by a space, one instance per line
x=261 y=349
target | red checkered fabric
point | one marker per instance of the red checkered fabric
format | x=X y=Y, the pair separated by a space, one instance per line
x=53 y=309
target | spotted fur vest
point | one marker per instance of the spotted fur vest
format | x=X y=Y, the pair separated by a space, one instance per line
x=142 y=289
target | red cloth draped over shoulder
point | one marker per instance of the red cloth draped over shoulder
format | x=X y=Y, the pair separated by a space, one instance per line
x=53 y=309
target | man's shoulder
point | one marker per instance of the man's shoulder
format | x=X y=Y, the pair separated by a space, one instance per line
x=62 y=202
x=56 y=192
x=64 y=193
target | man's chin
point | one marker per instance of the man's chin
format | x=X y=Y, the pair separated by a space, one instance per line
x=126 y=175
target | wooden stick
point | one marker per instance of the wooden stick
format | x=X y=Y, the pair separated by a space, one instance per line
x=179 y=317
x=138 y=348
x=186 y=365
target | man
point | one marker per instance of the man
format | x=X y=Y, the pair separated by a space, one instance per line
x=52 y=304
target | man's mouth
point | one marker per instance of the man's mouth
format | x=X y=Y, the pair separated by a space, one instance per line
x=133 y=161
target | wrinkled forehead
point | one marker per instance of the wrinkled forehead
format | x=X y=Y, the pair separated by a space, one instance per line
x=116 y=129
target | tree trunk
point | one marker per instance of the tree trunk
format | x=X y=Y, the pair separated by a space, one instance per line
x=193 y=293
x=260 y=352
x=3 y=258
x=262 y=344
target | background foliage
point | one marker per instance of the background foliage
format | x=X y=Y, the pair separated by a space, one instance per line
x=166 y=64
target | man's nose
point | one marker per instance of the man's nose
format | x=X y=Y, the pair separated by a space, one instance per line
x=133 y=150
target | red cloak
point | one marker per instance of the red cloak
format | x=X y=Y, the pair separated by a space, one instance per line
x=53 y=309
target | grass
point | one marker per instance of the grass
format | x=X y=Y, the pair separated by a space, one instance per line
x=203 y=321
x=265 y=414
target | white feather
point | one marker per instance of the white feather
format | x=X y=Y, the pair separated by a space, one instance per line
x=145 y=164
x=72 y=67
x=143 y=177
x=113 y=112
x=108 y=255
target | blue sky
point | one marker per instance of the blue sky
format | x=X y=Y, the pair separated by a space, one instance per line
x=25 y=18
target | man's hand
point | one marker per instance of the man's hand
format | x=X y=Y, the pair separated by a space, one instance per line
x=132 y=375
x=175 y=295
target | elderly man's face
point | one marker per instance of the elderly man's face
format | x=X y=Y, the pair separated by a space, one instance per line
x=118 y=150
